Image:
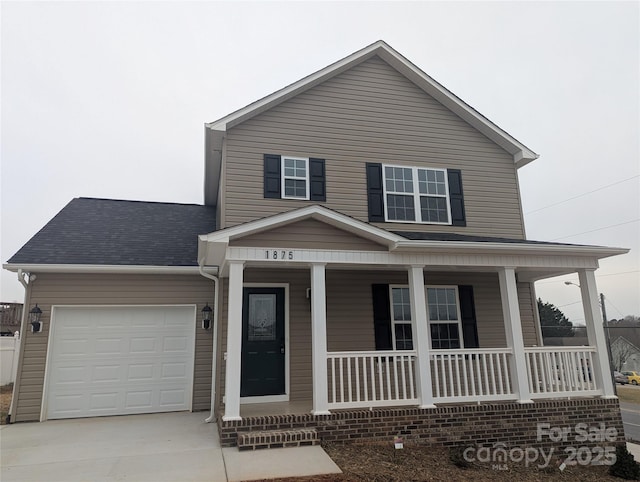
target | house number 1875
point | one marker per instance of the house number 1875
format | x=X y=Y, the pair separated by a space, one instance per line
x=276 y=254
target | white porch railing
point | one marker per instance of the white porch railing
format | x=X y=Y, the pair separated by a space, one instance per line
x=363 y=379
x=561 y=371
x=371 y=379
x=471 y=375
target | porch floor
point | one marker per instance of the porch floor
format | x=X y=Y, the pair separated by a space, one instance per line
x=298 y=407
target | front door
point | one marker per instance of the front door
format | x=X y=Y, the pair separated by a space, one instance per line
x=263 y=342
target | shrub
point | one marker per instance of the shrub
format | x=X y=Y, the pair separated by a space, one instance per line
x=625 y=465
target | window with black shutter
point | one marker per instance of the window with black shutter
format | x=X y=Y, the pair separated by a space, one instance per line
x=409 y=194
x=288 y=177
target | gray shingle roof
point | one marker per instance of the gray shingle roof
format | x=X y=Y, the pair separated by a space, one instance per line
x=115 y=232
x=422 y=236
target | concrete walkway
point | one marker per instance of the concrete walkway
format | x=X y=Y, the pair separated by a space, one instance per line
x=156 y=447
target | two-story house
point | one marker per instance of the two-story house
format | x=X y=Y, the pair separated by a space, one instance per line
x=359 y=268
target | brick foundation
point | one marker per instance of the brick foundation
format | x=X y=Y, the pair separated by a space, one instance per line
x=512 y=424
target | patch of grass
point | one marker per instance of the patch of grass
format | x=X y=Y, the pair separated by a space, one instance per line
x=628 y=394
x=6 y=392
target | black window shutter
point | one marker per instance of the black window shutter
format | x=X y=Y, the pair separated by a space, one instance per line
x=468 y=313
x=456 y=197
x=272 y=180
x=317 y=178
x=375 y=195
x=381 y=316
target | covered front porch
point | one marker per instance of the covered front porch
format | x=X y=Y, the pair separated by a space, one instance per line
x=365 y=379
x=504 y=364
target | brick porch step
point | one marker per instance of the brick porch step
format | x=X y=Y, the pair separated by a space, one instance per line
x=270 y=439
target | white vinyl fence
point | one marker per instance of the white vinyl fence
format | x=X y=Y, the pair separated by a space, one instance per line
x=9 y=349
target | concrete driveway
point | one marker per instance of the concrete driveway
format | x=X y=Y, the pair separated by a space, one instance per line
x=157 y=447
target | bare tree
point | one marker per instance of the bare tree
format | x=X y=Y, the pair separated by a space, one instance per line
x=621 y=350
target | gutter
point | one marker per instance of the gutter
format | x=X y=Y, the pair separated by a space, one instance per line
x=212 y=415
x=101 y=268
x=23 y=322
x=480 y=247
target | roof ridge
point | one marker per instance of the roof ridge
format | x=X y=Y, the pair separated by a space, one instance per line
x=140 y=201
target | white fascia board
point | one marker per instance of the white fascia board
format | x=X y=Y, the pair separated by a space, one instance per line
x=291 y=90
x=104 y=268
x=458 y=106
x=316 y=212
x=598 y=252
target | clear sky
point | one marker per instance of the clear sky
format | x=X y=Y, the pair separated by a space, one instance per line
x=104 y=99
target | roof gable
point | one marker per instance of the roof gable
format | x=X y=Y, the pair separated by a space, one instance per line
x=309 y=233
x=220 y=239
x=215 y=130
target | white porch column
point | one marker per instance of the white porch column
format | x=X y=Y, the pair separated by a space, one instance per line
x=234 y=342
x=595 y=332
x=419 y=327
x=513 y=331
x=319 y=340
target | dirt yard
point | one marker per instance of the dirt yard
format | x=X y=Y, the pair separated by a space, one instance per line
x=5 y=402
x=382 y=462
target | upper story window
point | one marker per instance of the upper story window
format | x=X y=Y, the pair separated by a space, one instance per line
x=405 y=194
x=295 y=179
x=416 y=195
x=289 y=177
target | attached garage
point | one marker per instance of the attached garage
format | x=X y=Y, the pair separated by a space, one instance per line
x=119 y=360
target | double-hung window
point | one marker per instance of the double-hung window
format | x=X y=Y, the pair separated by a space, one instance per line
x=299 y=178
x=401 y=318
x=295 y=178
x=445 y=324
x=443 y=312
x=418 y=195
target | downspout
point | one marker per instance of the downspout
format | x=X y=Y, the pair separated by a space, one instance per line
x=23 y=322
x=212 y=415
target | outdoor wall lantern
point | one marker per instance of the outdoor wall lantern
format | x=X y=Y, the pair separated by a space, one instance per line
x=206 y=317
x=34 y=318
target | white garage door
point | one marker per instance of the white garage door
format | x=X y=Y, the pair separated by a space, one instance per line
x=120 y=360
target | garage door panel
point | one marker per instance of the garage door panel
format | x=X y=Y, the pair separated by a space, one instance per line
x=170 y=398
x=70 y=375
x=109 y=346
x=132 y=369
x=140 y=372
x=70 y=347
x=106 y=373
x=142 y=345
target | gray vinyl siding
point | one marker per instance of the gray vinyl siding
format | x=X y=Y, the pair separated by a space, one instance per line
x=309 y=234
x=350 y=313
x=91 y=289
x=370 y=113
